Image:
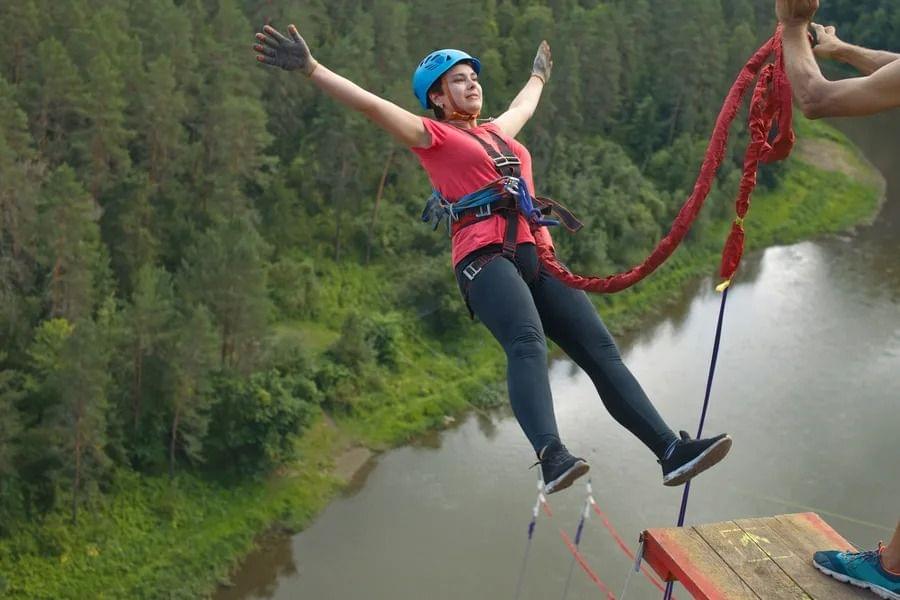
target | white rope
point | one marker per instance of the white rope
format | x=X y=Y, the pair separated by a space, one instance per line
x=638 y=557
x=585 y=515
x=531 y=526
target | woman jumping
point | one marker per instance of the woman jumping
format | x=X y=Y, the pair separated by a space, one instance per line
x=483 y=168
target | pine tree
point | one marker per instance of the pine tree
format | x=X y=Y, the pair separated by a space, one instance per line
x=191 y=356
x=20 y=25
x=149 y=315
x=71 y=252
x=104 y=142
x=72 y=363
x=226 y=271
x=11 y=392
x=158 y=122
x=83 y=394
x=130 y=221
x=20 y=174
x=54 y=95
x=233 y=131
x=166 y=30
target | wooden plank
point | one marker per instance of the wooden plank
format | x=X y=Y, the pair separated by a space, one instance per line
x=816 y=532
x=681 y=554
x=752 y=558
x=749 y=555
x=806 y=533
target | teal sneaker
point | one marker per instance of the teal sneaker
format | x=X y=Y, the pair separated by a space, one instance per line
x=862 y=569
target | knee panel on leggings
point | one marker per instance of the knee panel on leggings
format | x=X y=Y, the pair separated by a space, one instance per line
x=528 y=342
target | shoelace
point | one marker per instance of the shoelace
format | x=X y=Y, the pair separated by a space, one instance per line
x=866 y=555
x=559 y=455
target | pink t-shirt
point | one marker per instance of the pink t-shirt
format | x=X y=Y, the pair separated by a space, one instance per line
x=458 y=165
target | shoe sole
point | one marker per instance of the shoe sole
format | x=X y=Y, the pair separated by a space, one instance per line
x=567 y=478
x=876 y=589
x=708 y=458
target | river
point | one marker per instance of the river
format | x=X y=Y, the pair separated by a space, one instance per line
x=807 y=385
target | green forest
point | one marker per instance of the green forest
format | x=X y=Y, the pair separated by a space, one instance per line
x=212 y=277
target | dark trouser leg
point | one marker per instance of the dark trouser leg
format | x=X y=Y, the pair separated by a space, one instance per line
x=502 y=301
x=571 y=321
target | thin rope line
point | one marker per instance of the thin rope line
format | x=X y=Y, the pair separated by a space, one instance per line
x=667 y=595
x=578 y=532
x=524 y=562
x=627 y=581
x=541 y=502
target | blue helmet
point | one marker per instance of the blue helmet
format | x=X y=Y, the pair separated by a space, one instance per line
x=433 y=66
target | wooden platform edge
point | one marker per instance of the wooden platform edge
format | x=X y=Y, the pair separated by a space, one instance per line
x=662 y=552
x=681 y=554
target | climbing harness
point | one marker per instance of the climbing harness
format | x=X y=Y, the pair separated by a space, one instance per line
x=508 y=195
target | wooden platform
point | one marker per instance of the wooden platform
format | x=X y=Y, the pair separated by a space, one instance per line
x=754 y=559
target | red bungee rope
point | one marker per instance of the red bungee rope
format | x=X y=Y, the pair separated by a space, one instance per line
x=770 y=109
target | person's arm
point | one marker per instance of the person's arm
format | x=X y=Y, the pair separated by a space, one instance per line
x=820 y=98
x=524 y=104
x=293 y=54
x=866 y=61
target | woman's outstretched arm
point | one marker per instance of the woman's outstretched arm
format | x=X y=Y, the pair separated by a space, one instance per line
x=523 y=106
x=292 y=54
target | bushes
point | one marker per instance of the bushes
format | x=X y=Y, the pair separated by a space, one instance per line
x=368 y=339
x=294 y=288
x=367 y=343
x=256 y=420
x=427 y=290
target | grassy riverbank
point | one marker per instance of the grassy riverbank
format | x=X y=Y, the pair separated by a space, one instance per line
x=123 y=547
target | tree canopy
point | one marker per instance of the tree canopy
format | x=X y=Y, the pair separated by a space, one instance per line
x=166 y=203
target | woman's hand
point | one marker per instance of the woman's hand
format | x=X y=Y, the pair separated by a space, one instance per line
x=543 y=62
x=827 y=42
x=279 y=51
x=796 y=12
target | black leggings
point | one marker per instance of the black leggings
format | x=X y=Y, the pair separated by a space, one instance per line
x=520 y=303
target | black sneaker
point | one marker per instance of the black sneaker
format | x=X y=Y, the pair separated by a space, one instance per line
x=688 y=458
x=559 y=468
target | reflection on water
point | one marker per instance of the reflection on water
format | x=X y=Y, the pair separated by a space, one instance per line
x=486 y=425
x=358 y=481
x=262 y=569
x=806 y=385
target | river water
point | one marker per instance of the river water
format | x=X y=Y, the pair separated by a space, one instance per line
x=807 y=385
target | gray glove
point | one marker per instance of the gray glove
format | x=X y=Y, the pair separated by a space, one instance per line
x=543 y=62
x=289 y=54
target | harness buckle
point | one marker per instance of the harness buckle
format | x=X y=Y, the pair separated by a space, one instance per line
x=483 y=211
x=506 y=161
x=472 y=271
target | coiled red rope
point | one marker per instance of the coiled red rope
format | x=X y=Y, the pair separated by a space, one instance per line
x=770 y=110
